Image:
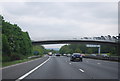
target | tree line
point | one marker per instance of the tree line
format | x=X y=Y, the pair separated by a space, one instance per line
x=81 y=48
x=16 y=44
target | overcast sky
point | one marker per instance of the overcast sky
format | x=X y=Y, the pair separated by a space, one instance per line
x=62 y=20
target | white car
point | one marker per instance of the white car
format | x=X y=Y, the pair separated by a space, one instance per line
x=93 y=55
x=68 y=55
x=64 y=54
x=104 y=55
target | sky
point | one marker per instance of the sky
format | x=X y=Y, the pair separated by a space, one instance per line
x=62 y=20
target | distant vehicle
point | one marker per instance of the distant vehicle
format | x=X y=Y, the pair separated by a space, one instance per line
x=64 y=54
x=104 y=55
x=83 y=55
x=76 y=57
x=68 y=55
x=58 y=54
x=50 y=53
x=93 y=55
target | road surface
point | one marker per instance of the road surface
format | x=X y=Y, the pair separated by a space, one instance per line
x=55 y=67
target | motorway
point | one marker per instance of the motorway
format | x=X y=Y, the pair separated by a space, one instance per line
x=55 y=67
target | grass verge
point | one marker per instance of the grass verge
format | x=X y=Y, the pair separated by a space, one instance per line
x=4 y=64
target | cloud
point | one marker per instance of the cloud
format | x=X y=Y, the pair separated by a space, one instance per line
x=54 y=20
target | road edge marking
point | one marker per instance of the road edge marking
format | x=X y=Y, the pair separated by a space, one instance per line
x=25 y=75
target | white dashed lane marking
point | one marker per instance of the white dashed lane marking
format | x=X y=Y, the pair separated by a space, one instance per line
x=81 y=70
x=98 y=63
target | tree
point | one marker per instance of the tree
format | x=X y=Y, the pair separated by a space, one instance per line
x=39 y=49
x=78 y=50
x=89 y=51
x=81 y=48
x=65 y=49
x=16 y=43
x=5 y=47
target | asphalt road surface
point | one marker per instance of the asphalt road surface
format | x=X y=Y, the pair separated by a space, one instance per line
x=55 y=67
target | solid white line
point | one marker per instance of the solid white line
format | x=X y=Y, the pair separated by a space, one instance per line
x=22 y=77
x=81 y=70
x=19 y=63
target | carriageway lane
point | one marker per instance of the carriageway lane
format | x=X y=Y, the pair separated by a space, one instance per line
x=14 y=72
x=98 y=69
x=62 y=68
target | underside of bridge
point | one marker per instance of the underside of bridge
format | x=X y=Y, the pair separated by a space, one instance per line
x=73 y=42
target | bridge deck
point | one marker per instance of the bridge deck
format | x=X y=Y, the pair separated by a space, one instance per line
x=74 y=41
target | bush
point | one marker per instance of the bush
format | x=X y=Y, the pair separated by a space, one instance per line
x=5 y=58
